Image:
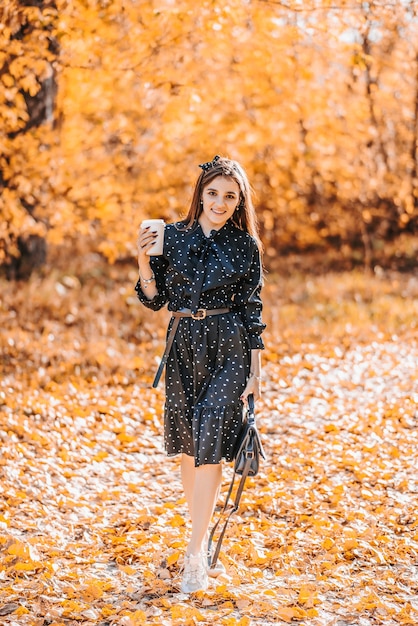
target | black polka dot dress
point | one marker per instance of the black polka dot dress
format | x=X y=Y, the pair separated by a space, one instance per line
x=209 y=361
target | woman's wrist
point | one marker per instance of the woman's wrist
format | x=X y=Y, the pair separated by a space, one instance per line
x=255 y=375
x=255 y=365
x=146 y=279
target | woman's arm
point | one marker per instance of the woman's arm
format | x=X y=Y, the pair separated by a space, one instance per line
x=150 y=288
x=249 y=306
x=254 y=380
x=146 y=239
x=248 y=303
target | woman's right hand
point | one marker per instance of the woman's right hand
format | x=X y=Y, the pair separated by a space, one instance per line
x=146 y=239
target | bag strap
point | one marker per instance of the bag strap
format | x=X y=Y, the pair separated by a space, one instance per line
x=235 y=506
x=233 y=509
x=170 y=339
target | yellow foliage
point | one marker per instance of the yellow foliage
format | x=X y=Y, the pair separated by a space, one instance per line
x=146 y=91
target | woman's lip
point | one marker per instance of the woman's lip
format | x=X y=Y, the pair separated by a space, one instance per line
x=218 y=212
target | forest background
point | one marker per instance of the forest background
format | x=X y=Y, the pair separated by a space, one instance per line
x=106 y=109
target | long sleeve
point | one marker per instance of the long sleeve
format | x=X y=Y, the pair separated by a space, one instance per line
x=247 y=302
x=159 y=266
x=230 y=275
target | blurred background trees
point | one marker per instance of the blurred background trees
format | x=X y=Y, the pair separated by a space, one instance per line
x=108 y=106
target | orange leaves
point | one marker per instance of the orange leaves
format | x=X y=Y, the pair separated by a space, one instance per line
x=94 y=524
x=328 y=543
x=22 y=557
x=177 y=521
x=233 y=621
x=93 y=590
x=290 y=614
x=136 y=618
x=183 y=614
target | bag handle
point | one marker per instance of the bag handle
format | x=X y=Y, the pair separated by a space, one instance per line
x=235 y=506
x=251 y=407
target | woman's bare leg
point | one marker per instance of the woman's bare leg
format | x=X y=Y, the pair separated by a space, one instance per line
x=201 y=488
x=187 y=479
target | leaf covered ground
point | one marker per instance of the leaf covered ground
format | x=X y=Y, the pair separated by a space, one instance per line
x=92 y=524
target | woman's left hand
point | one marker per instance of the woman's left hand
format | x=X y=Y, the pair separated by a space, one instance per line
x=253 y=386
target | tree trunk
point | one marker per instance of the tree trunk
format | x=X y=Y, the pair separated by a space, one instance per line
x=414 y=147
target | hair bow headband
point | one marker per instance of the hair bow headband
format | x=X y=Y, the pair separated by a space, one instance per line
x=207 y=166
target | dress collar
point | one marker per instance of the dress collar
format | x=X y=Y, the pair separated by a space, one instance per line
x=199 y=239
x=215 y=232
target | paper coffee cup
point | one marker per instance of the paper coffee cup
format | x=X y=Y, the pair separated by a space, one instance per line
x=158 y=226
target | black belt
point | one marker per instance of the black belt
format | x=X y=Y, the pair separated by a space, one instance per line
x=177 y=315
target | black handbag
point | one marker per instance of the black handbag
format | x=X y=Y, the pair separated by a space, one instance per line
x=249 y=448
x=249 y=451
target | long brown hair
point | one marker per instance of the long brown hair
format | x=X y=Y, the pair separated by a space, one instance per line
x=244 y=217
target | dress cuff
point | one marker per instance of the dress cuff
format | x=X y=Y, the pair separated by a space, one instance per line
x=256 y=342
x=143 y=298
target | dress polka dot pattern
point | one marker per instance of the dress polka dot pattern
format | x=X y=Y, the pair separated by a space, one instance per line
x=209 y=361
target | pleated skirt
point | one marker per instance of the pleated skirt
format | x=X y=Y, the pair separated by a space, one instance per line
x=206 y=373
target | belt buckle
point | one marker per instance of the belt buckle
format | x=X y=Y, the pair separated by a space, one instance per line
x=199 y=315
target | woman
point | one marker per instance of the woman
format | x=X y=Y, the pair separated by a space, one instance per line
x=210 y=275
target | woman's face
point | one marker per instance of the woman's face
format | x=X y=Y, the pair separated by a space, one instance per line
x=220 y=198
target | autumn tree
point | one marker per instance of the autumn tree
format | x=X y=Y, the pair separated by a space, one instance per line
x=28 y=48
x=319 y=103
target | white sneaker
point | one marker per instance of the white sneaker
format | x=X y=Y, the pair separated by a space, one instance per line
x=195 y=573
